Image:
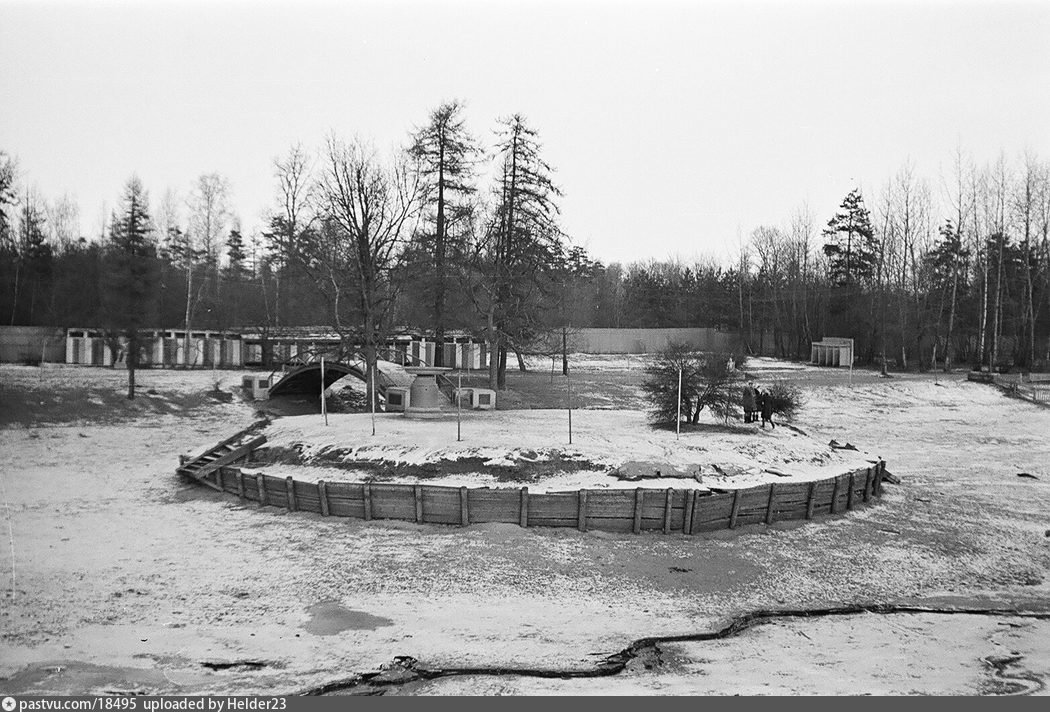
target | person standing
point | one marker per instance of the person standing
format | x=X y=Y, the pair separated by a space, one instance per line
x=766 y=406
x=748 y=401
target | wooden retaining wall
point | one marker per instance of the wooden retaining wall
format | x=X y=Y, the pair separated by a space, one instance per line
x=616 y=510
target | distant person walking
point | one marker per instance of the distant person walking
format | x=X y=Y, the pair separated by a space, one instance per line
x=748 y=401
x=766 y=406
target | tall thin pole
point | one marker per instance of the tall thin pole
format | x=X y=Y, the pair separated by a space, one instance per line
x=324 y=401
x=373 y=399
x=568 y=382
x=678 y=422
x=459 y=404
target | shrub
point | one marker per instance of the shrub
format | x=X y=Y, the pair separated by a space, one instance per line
x=787 y=398
x=707 y=382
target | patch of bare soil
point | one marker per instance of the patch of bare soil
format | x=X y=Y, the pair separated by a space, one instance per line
x=530 y=467
x=29 y=396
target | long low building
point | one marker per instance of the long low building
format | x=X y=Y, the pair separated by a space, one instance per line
x=253 y=347
x=173 y=348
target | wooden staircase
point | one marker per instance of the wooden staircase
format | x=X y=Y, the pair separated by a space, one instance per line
x=204 y=468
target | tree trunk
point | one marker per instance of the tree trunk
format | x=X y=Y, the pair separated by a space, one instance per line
x=492 y=337
x=132 y=361
x=439 y=262
x=951 y=321
x=501 y=373
x=564 y=352
x=996 y=324
x=189 y=311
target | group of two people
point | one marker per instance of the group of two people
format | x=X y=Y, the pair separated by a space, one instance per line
x=758 y=403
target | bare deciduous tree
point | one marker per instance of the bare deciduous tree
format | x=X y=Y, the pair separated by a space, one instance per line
x=369 y=213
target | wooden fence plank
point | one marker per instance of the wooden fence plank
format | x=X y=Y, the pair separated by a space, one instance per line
x=275 y=492
x=554 y=505
x=441 y=505
x=835 y=495
x=393 y=501
x=523 y=512
x=340 y=507
x=687 y=520
x=769 y=505
x=612 y=503
x=494 y=505
x=639 y=497
x=260 y=482
x=240 y=484
x=610 y=524
x=368 y=501
x=811 y=500
x=322 y=494
x=712 y=507
x=736 y=509
x=290 y=490
x=868 y=478
x=464 y=511
x=667 y=510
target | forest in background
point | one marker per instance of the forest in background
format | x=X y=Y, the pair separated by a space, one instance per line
x=449 y=234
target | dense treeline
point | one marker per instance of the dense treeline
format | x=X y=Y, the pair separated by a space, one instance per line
x=451 y=234
x=918 y=282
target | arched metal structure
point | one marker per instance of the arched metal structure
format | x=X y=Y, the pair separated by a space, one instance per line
x=306 y=379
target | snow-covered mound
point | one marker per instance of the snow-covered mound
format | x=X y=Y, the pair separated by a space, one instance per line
x=608 y=449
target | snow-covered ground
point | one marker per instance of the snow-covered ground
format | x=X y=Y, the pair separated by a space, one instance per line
x=617 y=446
x=116 y=576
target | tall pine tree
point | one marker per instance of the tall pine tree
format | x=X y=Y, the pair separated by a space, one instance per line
x=445 y=153
x=851 y=246
x=130 y=285
x=524 y=244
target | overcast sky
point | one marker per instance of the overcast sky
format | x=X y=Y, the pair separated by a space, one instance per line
x=674 y=127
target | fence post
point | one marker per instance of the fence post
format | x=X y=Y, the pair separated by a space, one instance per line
x=581 y=513
x=523 y=508
x=260 y=481
x=867 y=485
x=417 y=492
x=464 y=514
x=240 y=484
x=880 y=469
x=849 y=492
x=367 y=493
x=639 y=497
x=667 y=509
x=322 y=494
x=687 y=518
x=769 y=505
x=289 y=486
x=811 y=500
x=735 y=510
x=835 y=495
